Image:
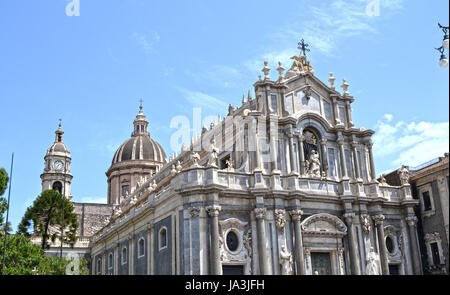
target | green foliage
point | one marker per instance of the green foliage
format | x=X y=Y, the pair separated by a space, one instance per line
x=46 y=216
x=3 y=184
x=3 y=180
x=24 y=258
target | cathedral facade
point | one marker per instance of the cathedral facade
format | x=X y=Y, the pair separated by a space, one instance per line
x=284 y=184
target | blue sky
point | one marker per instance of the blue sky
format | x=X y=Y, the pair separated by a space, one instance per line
x=91 y=70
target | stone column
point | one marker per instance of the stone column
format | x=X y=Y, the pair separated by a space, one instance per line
x=301 y=139
x=273 y=146
x=131 y=255
x=372 y=163
x=264 y=267
x=412 y=221
x=336 y=111
x=104 y=262
x=340 y=142
x=379 y=223
x=149 y=248
x=216 y=266
x=116 y=259
x=355 y=160
x=299 y=258
x=323 y=145
x=292 y=153
x=348 y=108
x=354 y=258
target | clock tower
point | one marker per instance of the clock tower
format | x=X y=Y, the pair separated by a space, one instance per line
x=57 y=174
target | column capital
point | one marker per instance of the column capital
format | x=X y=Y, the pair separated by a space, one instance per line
x=296 y=214
x=130 y=237
x=301 y=138
x=260 y=213
x=150 y=226
x=213 y=210
x=378 y=219
x=411 y=220
x=369 y=144
x=323 y=141
x=195 y=211
x=340 y=141
x=354 y=144
x=349 y=217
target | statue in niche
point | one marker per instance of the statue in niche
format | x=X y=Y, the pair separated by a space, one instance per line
x=279 y=218
x=313 y=164
x=285 y=261
x=310 y=138
x=372 y=263
x=229 y=163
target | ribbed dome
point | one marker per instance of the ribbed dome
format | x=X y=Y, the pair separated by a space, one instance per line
x=140 y=147
x=58 y=147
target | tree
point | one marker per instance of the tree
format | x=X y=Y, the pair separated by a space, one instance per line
x=3 y=184
x=24 y=258
x=46 y=216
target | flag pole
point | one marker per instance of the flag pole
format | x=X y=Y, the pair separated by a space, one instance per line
x=7 y=213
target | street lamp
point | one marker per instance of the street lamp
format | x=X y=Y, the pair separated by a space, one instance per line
x=445 y=41
x=443 y=61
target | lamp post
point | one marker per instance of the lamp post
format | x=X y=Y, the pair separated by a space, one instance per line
x=443 y=61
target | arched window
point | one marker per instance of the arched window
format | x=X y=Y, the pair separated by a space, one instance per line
x=124 y=255
x=57 y=186
x=162 y=238
x=141 y=247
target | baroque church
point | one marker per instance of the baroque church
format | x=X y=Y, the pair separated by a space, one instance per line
x=285 y=184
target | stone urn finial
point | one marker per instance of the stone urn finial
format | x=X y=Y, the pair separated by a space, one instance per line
x=345 y=86
x=280 y=70
x=266 y=71
x=331 y=80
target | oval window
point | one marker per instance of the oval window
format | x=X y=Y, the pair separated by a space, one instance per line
x=232 y=241
x=389 y=244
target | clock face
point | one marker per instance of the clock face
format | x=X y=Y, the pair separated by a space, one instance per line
x=58 y=165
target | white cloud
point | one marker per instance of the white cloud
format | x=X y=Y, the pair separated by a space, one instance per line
x=324 y=26
x=388 y=117
x=410 y=143
x=217 y=75
x=199 y=99
x=94 y=200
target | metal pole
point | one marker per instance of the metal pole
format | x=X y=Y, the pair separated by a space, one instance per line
x=7 y=213
x=63 y=201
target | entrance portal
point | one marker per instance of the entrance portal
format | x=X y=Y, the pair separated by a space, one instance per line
x=321 y=263
x=233 y=270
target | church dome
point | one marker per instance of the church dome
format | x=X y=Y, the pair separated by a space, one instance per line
x=140 y=147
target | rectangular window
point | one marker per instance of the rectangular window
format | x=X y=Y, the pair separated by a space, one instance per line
x=342 y=115
x=289 y=103
x=435 y=253
x=273 y=103
x=278 y=148
x=327 y=110
x=299 y=97
x=360 y=163
x=426 y=201
x=331 y=162
x=348 y=163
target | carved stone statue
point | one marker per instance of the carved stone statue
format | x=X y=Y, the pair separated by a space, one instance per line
x=383 y=180
x=285 y=261
x=229 y=163
x=195 y=159
x=365 y=222
x=372 y=263
x=214 y=153
x=230 y=109
x=279 y=218
x=314 y=164
x=404 y=175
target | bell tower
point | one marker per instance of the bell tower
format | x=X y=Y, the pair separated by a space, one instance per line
x=57 y=174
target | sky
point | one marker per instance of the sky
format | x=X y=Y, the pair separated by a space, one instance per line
x=92 y=68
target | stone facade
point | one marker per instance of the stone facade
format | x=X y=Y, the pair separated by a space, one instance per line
x=285 y=184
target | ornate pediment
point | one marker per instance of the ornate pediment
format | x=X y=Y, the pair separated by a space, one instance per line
x=324 y=224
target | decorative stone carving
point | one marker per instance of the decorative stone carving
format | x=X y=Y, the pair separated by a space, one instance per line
x=345 y=86
x=280 y=218
x=179 y=167
x=365 y=222
x=324 y=224
x=266 y=71
x=229 y=163
x=373 y=263
x=285 y=261
x=412 y=220
x=242 y=254
x=307 y=92
x=260 y=213
x=432 y=237
x=280 y=70
x=296 y=214
x=195 y=211
x=383 y=180
x=213 y=210
x=173 y=170
x=378 y=219
x=214 y=152
x=309 y=137
x=331 y=80
x=404 y=175
x=313 y=164
x=195 y=159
